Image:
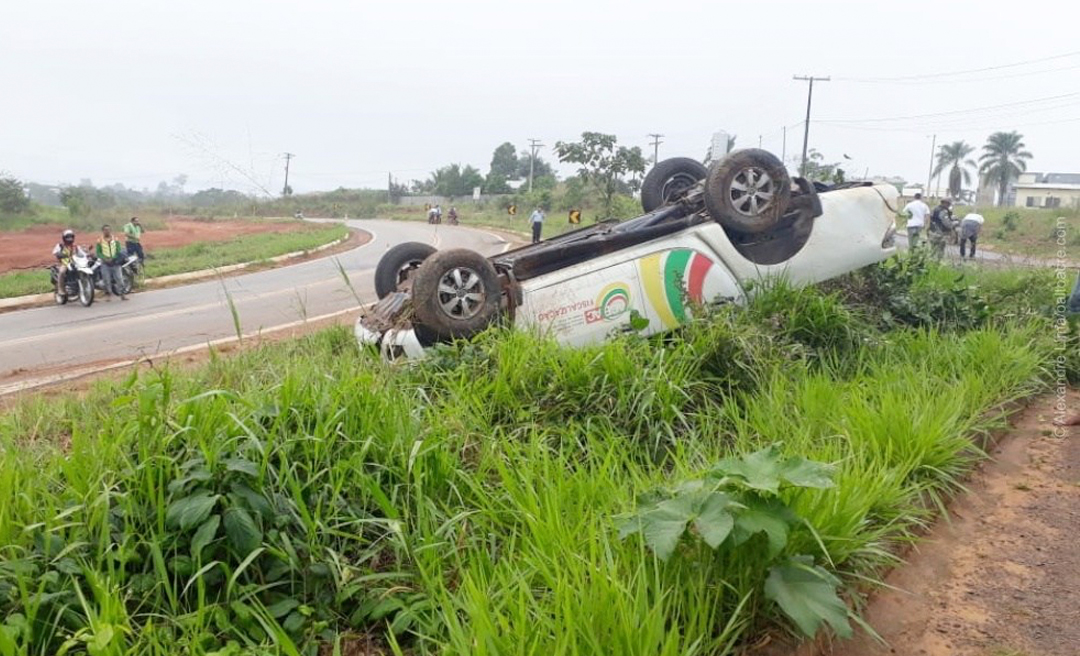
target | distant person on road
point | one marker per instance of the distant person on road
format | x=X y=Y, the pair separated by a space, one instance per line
x=431 y=215
x=916 y=212
x=438 y=214
x=941 y=226
x=970 y=228
x=133 y=236
x=111 y=253
x=537 y=221
x=64 y=251
x=452 y=216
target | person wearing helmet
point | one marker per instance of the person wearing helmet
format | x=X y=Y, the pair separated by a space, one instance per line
x=64 y=251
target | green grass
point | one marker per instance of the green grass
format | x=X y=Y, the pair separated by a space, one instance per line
x=196 y=257
x=307 y=493
x=152 y=219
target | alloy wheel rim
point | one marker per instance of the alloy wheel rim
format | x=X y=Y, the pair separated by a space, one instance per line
x=461 y=293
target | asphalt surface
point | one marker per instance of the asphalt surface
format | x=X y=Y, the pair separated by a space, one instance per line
x=162 y=321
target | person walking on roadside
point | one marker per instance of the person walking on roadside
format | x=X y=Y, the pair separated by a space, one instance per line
x=970 y=228
x=537 y=220
x=133 y=237
x=111 y=253
x=941 y=226
x=916 y=212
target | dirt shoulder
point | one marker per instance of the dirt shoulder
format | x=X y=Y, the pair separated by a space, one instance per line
x=1002 y=576
x=32 y=248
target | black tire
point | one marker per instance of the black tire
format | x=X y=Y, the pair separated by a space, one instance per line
x=127 y=282
x=399 y=263
x=86 y=290
x=748 y=191
x=668 y=180
x=456 y=294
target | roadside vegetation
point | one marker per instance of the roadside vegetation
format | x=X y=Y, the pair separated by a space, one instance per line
x=196 y=257
x=679 y=494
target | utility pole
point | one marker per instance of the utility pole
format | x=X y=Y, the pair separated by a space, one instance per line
x=389 y=186
x=285 y=189
x=759 y=141
x=809 y=99
x=783 y=155
x=534 y=145
x=656 y=147
x=930 y=171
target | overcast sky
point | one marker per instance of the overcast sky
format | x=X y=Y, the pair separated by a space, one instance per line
x=138 y=92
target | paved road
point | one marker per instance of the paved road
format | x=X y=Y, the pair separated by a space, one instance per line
x=161 y=321
x=952 y=252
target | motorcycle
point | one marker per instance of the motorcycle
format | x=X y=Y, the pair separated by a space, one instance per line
x=79 y=282
x=128 y=270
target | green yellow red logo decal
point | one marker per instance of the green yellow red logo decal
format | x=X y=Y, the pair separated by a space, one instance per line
x=612 y=301
x=671 y=279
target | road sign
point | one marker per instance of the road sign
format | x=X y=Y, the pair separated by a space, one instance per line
x=511 y=210
x=575 y=216
x=476 y=193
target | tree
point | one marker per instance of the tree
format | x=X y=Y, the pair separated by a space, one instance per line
x=540 y=169
x=504 y=161
x=602 y=162
x=954 y=157
x=453 y=180
x=817 y=169
x=84 y=200
x=1003 y=160
x=13 y=199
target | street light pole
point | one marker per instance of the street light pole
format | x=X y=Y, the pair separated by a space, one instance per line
x=809 y=101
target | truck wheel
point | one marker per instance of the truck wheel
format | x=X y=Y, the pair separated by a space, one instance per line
x=456 y=294
x=669 y=180
x=399 y=263
x=748 y=191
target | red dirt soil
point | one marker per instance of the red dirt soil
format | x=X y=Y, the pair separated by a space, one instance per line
x=32 y=248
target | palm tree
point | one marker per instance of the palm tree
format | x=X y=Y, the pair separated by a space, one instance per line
x=953 y=155
x=1003 y=160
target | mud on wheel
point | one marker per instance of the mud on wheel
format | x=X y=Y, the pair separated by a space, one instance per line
x=399 y=263
x=456 y=294
x=748 y=191
x=669 y=180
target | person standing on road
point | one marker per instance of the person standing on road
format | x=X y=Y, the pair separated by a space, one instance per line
x=111 y=253
x=916 y=212
x=941 y=226
x=537 y=220
x=133 y=236
x=970 y=228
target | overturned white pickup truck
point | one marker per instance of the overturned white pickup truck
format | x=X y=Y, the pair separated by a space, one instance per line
x=706 y=234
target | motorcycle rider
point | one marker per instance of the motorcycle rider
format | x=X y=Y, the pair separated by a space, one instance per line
x=453 y=216
x=64 y=251
x=112 y=254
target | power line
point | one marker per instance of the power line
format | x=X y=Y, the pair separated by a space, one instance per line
x=949 y=113
x=806 y=129
x=949 y=81
x=901 y=78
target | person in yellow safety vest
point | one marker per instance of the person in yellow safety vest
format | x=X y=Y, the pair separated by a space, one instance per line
x=133 y=234
x=63 y=252
x=112 y=254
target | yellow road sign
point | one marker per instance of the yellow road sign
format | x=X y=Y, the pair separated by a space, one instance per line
x=511 y=210
x=575 y=216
